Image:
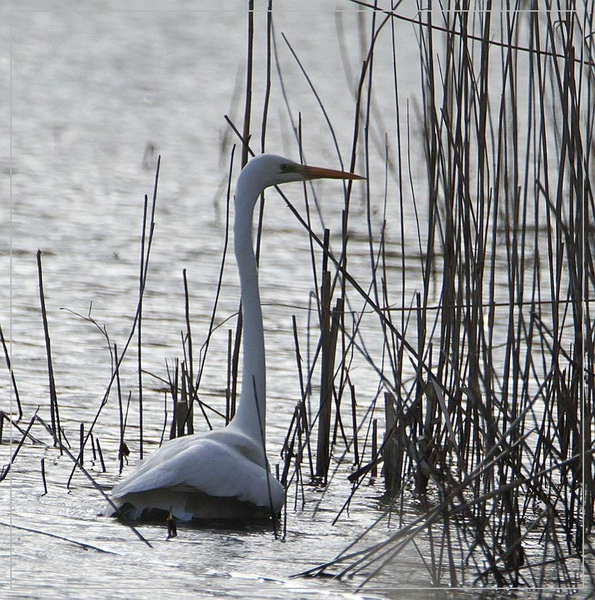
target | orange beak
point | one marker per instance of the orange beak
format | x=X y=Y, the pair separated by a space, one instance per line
x=322 y=173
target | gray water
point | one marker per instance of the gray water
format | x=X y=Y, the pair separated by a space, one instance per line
x=96 y=94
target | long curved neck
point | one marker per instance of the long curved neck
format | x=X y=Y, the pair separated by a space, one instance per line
x=250 y=414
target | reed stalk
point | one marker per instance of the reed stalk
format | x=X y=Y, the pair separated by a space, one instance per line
x=15 y=389
x=54 y=410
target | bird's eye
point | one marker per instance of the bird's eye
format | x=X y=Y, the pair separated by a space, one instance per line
x=284 y=167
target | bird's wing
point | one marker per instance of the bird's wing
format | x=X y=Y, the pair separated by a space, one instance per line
x=207 y=466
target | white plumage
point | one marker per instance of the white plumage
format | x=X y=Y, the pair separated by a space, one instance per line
x=187 y=471
x=224 y=474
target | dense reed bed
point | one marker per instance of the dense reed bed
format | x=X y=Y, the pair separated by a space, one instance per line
x=489 y=389
x=479 y=431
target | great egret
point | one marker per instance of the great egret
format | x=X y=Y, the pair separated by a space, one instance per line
x=224 y=473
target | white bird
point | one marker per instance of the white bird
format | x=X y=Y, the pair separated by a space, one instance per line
x=224 y=473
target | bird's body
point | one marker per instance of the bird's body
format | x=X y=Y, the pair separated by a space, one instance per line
x=224 y=474
x=191 y=474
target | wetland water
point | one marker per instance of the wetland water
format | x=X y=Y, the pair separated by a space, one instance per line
x=96 y=95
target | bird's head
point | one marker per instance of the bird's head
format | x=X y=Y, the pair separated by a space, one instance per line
x=269 y=169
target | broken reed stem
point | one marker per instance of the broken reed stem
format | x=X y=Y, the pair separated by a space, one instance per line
x=325 y=404
x=100 y=454
x=354 y=426
x=392 y=466
x=54 y=412
x=45 y=485
x=374 y=467
x=189 y=371
x=15 y=388
x=81 y=443
x=182 y=408
x=326 y=371
x=123 y=450
x=139 y=328
x=173 y=391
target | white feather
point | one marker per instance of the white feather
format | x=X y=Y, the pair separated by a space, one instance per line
x=224 y=473
x=220 y=463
